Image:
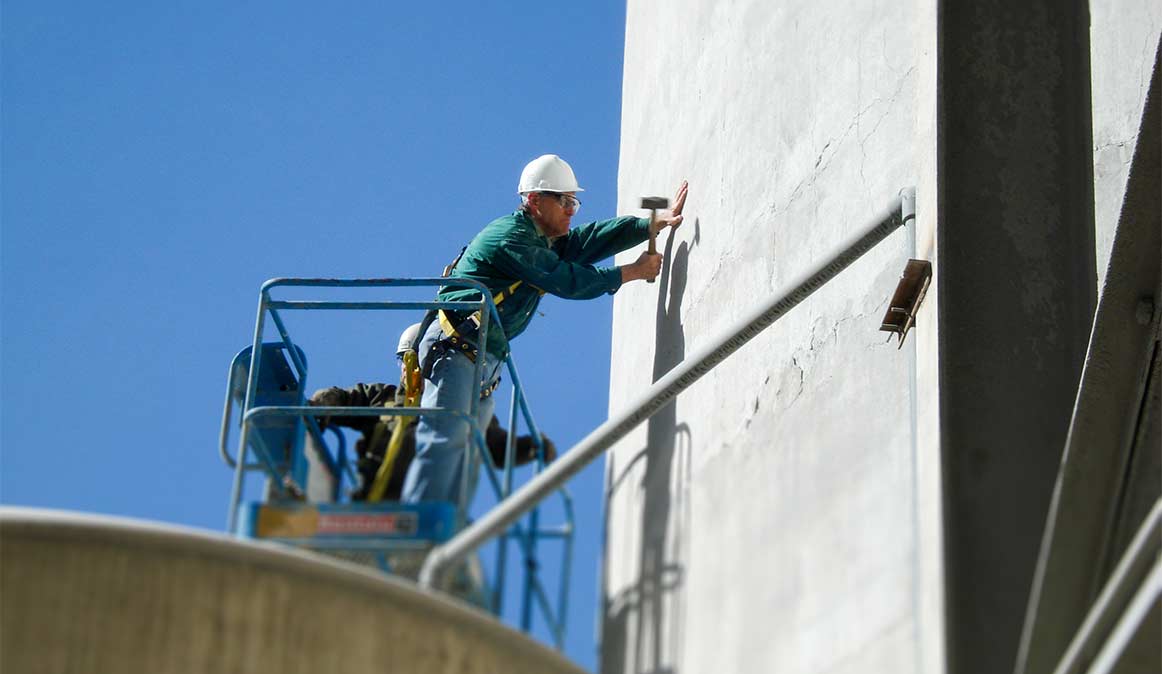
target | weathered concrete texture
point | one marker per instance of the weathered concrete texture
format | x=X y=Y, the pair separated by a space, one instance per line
x=926 y=453
x=765 y=521
x=1111 y=473
x=1017 y=292
x=1124 y=38
x=88 y=594
x=821 y=501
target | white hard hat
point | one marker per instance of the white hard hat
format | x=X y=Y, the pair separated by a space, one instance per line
x=407 y=338
x=547 y=173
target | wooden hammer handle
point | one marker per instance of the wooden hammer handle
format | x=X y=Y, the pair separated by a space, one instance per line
x=653 y=249
x=654 y=203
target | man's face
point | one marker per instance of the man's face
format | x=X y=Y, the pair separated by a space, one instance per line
x=554 y=211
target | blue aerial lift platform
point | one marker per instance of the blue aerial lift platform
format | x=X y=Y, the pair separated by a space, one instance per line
x=306 y=499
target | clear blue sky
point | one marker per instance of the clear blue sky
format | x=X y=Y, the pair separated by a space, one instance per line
x=161 y=160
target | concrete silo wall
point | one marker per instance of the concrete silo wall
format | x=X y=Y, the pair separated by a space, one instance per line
x=767 y=520
x=824 y=501
x=1123 y=40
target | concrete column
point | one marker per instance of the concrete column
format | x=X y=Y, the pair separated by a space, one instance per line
x=1017 y=293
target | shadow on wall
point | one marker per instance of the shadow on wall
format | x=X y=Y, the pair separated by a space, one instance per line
x=642 y=630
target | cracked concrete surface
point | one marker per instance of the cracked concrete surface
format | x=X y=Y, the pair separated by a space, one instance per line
x=784 y=535
x=1124 y=37
x=794 y=123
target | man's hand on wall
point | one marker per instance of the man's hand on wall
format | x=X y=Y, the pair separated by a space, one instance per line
x=675 y=217
x=647 y=267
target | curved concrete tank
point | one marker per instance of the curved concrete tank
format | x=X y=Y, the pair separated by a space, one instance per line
x=81 y=593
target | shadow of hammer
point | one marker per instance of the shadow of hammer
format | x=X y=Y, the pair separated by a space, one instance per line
x=654 y=203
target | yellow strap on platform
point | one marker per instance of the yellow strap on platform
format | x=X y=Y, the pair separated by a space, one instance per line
x=413 y=387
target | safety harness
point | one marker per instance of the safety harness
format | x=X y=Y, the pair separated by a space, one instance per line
x=461 y=336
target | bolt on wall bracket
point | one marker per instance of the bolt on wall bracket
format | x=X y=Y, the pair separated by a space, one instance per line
x=910 y=291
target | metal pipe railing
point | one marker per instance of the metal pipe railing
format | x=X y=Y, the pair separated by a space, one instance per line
x=224 y=436
x=502 y=542
x=265 y=303
x=1132 y=589
x=372 y=306
x=247 y=402
x=690 y=370
x=527 y=541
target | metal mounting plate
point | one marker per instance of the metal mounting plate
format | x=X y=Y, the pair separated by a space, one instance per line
x=910 y=291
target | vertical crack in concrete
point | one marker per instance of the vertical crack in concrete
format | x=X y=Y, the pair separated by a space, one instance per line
x=821 y=166
x=792 y=380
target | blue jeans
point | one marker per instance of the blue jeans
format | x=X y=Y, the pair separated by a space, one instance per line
x=442 y=442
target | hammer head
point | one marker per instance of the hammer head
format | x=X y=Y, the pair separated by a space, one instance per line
x=654 y=203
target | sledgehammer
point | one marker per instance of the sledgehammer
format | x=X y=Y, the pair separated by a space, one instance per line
x=654 y=203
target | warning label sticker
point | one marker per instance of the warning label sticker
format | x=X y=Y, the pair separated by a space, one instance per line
x=350 y=524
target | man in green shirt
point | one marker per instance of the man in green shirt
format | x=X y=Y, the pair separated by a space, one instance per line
x=519 y=257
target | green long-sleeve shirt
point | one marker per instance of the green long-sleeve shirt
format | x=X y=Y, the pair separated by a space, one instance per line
x=510 y=248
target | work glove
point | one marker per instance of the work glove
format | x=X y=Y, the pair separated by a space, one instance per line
x=550 y=449
x=326 y=397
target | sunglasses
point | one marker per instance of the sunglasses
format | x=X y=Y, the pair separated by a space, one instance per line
x=569 y=203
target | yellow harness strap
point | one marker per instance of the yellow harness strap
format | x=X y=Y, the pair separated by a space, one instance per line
x=450 y=330
x=413 y=387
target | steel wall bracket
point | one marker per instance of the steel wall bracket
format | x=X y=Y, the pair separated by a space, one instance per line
x=910 y=291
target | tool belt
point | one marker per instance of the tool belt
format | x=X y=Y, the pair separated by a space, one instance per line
x=455 y=340
x=462 y=336
x=461 y=346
